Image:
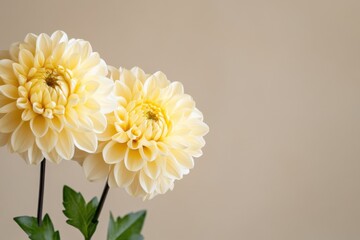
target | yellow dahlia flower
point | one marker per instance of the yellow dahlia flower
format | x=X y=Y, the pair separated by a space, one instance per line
x=54 y=95
x=151 y=137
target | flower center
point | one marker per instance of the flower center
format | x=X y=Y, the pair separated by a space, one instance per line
x=55 y=79
x=52 y=78
x=152 y=116
x=151 y=111
x=46 y=91
x=149 y=120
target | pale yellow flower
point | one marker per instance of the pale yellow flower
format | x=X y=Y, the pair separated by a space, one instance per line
x=152 y=136
x=54 y=95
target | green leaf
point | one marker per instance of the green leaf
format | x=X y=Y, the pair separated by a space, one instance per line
x=35 y=232
x=126 y=228
x=136 y=237
x=80 y=213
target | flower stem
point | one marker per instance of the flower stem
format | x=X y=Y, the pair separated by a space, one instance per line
x=101 y=203
x=41 y=191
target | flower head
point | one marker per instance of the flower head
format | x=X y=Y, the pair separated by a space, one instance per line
x=54 y=95
x=152 y=136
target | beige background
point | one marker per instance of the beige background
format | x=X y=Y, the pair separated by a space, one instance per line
x=278 y=83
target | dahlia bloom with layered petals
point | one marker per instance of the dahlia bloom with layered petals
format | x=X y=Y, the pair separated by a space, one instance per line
x=54 y=95
x=152 y=137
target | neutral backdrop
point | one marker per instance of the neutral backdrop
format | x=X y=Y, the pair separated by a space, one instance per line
x=278 y=83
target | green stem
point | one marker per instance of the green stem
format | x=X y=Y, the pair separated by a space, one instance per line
x=41 y=191
x=101 y=203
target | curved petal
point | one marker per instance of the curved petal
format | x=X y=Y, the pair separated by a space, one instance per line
x=164 y=184
x=133 y=160
x=95 y=168
x=139 y=74
x=148 y=153
x=10 y=107
x=43 y=44
x=10 y=121
x=99 y=122
x=22 y=139
x=26 y=58
x=123 y=176
x=135 y=189
x=111 y=178
x=7 y=72
x=122 y=90
x=39 y=125
x=152 y=169
x=4 y=138
x=184 y=159
x=86 y=141
x=57 y=123
x=9 y=91
x=114 y=152
x=146 y=183
x=65 y=145
x=47 y=142
x=162 y=79
x=109 y=132
x=58 y=36
x=172 y=169
x=52 y=156
x=35 y=155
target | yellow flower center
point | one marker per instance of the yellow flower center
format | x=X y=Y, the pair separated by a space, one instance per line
x=152 y=116
x=51 y=79
x=54 y=78
x=46 y=91
x=149 y=120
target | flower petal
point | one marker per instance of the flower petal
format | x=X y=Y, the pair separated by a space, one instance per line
x=47 y=142
x=172 y=169
x=95 y=168
x=164 y=184
x=135 y=189
x=43 y=44
x=9 y=91
x=149 y=152
x=4 y=138
x=152 y=169
x=162 y=79
x=52 y=156
x=146 y=183
x=26 y=58
x=58 y=37
x=133 y=160
x=57 y=123
x=7 y=72
x=10 y=107
x=99 y=122
x=114 y=152
x=109 y=132
x=122 y=90
x=123 y=177
x=10 y=121
x=85 y=141
x=22 y=138
x=35 y=155
x=111 y=178
x=39 y=125
x=65 y=145
x=184 y=159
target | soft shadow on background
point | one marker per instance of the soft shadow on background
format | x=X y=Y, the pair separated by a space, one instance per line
x=278 y=83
